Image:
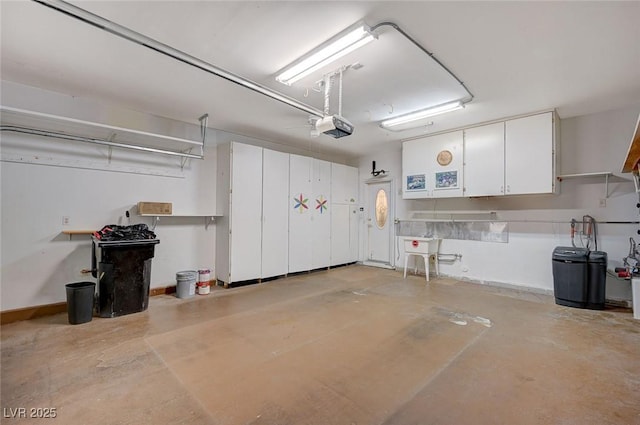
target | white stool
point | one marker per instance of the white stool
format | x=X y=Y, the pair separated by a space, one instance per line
x=422 y=247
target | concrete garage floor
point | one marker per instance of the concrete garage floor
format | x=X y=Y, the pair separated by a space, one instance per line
x=353 y=345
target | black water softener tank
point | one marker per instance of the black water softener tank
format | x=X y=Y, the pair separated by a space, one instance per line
x=570 y=276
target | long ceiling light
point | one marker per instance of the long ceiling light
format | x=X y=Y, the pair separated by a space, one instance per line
x=340 y=45
x=424 y=113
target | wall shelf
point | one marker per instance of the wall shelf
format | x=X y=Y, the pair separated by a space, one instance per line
x=606 y=174
x=64 y=128
x=208 y=218
x=71 y=233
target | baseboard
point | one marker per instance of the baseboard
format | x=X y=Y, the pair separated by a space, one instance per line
x=27 y=313
x=162 y=291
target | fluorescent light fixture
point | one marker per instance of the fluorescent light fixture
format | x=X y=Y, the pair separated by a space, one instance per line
x=418 y=115
x=332 y=50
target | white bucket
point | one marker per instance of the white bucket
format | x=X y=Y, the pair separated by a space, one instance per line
x=186 y=283
x=204 y=276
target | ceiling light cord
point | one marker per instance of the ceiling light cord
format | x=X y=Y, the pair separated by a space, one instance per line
x=431 y=55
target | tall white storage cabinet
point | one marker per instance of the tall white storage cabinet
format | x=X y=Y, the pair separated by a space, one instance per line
x=344 y=214
x=239 y=230
x=275 y=213
x=300 y=204
x=321 y=214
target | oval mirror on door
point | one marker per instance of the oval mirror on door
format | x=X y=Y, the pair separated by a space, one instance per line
x=381 y=208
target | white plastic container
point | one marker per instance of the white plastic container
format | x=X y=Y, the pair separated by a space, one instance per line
x=204 y=276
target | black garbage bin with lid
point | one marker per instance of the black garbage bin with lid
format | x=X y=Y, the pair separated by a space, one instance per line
x=570 y=272
x=121 y=261
x=80 y=300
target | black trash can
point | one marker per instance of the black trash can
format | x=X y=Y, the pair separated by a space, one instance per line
x=80 y=297
x=597 y=281
x=570 y=276
x=123 y=270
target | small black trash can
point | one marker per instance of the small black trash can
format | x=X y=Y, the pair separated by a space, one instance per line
x=80 y=297
x=597 y=283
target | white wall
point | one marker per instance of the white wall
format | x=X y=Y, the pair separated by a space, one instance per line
x=79 y=181
x=591 y=143
x=37 y=259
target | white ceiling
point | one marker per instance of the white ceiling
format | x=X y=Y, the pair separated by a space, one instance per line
x=515 y=57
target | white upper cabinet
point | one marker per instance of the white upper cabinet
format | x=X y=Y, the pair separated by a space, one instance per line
x=432 y=166
x=512 y=157
x=484 y=160
x=530 y=155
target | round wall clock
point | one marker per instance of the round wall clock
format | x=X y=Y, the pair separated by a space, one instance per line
x=444 y=157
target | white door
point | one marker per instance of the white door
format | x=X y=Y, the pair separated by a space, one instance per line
x=380 y=225
x=275 y=213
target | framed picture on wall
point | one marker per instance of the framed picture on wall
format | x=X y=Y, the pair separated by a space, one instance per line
x=416 y=182
x=447 y=180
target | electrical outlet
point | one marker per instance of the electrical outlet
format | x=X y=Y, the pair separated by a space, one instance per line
x=603 y=202
x=65 y=220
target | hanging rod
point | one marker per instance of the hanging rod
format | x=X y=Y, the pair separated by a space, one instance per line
x=150 y=43
x=58 y=135
x=9 y=113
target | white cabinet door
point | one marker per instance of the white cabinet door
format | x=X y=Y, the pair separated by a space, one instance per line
x=320 y=206
x=417 y=181
x=340 y=234
x=529 y=155
x=354 y=225
x=352 y=184
x=433 y=166
x=245 y=225
x=275 y=213
x=344 y=218
x=344 y=184
x=300 y=205
x=445 y=159
x=484 y=160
